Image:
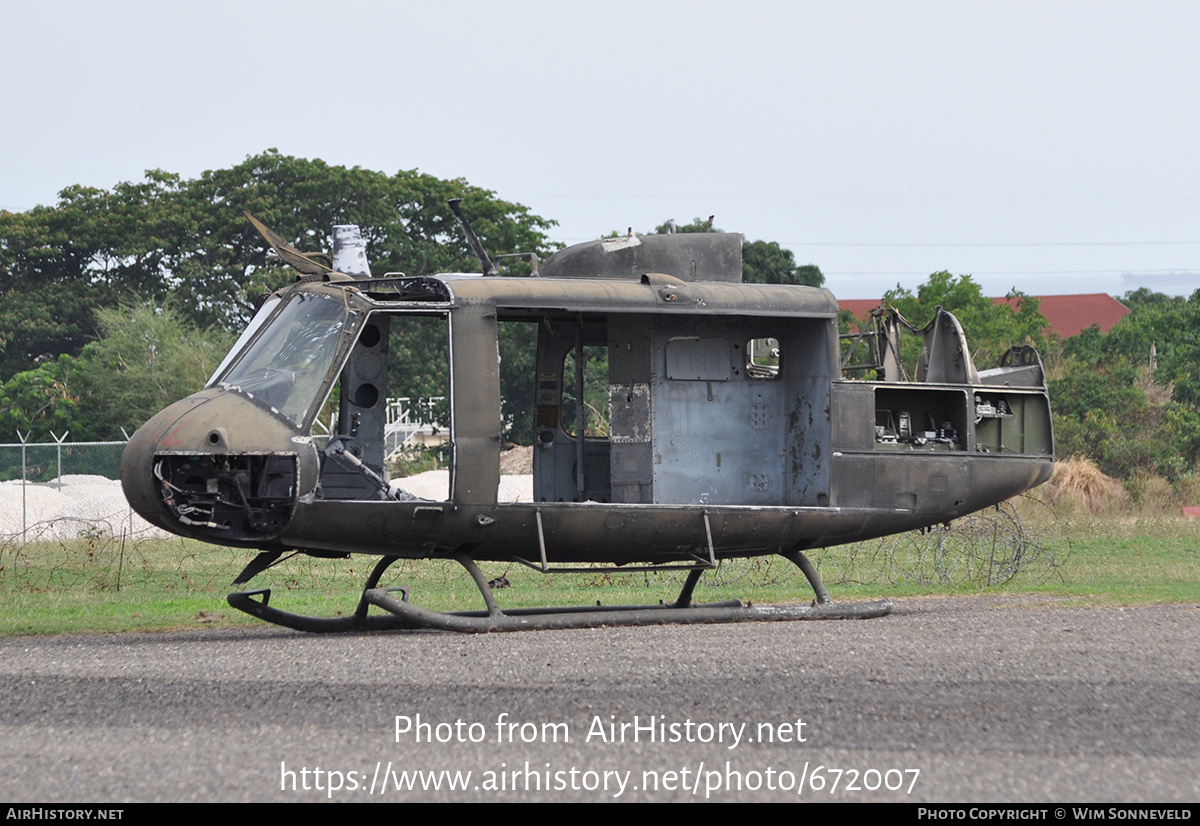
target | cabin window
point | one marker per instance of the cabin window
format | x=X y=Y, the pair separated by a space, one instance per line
x=762 y=358
x=384 y=430
x=593 y=375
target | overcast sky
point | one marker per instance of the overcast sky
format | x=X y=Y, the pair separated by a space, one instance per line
x=1048 y=146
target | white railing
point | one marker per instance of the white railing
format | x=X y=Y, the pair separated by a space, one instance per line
x=411 y=420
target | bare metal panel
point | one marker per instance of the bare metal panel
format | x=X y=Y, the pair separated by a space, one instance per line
x=632 y=473
x=629 y=413
x=807 y=362
x=692 y=358
x=853 y=482
x=806 y=441
x=630 y=420
x=693 y=256
x=853 y=416
x=629 y=348
x=715 y=441
x=916 y=483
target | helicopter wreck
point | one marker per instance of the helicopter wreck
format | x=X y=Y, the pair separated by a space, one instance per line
x=731 y=430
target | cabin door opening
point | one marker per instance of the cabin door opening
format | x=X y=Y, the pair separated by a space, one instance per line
x=571 y=420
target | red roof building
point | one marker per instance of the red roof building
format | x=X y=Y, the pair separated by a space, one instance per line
x=1070 y=315
x=1067 y=315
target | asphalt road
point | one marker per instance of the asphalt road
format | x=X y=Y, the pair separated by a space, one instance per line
x=948 y=700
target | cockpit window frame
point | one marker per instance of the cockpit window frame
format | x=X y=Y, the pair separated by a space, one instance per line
x=347 y=334
x=261 y=316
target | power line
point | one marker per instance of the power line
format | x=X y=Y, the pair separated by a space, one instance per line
x=953 y=244
x=990 y=244
x=1175 y=271
x=871 y=199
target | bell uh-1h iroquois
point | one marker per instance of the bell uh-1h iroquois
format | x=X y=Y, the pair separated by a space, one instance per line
x=731 y=432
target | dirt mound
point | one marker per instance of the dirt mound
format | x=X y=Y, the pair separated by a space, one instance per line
x=434 y=485
x=67 y=508
x=517 y=461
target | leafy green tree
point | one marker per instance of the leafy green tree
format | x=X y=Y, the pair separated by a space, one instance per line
x=697 y=225
x=37 y=403
x=991 y=327
x=765 y=262
x=1170 y=327
x=57 y=264
x=405 y=220
x=188 y=239
x=1113 y=405
x=145 y=359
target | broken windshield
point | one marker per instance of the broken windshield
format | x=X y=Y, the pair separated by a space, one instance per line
x=290 y=362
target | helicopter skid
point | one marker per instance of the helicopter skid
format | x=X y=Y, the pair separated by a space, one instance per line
x=245 y=602
x=403 y=615
x=545 y=619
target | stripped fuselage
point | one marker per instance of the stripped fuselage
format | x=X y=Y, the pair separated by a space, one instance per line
x=730 y=429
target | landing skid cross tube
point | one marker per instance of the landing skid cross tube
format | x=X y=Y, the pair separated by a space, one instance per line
x=245 y=602
x=401 y=614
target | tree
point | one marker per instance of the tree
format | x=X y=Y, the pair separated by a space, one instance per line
x=187 y=239
x=697 y=225
x=38 y=402
x=145 y=359
x=57 y=264
x=1170 y=327
x=405 y=220
x=1113 y=405
x=991 y=326
x=765 y=262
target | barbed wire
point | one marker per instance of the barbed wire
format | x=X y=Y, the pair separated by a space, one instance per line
x=985 y=549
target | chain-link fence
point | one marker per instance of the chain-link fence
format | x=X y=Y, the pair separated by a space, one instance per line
x=63 y=490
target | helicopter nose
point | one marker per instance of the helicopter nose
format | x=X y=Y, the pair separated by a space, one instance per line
x=218 y=466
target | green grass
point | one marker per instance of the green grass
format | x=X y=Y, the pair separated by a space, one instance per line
x=101 y=584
